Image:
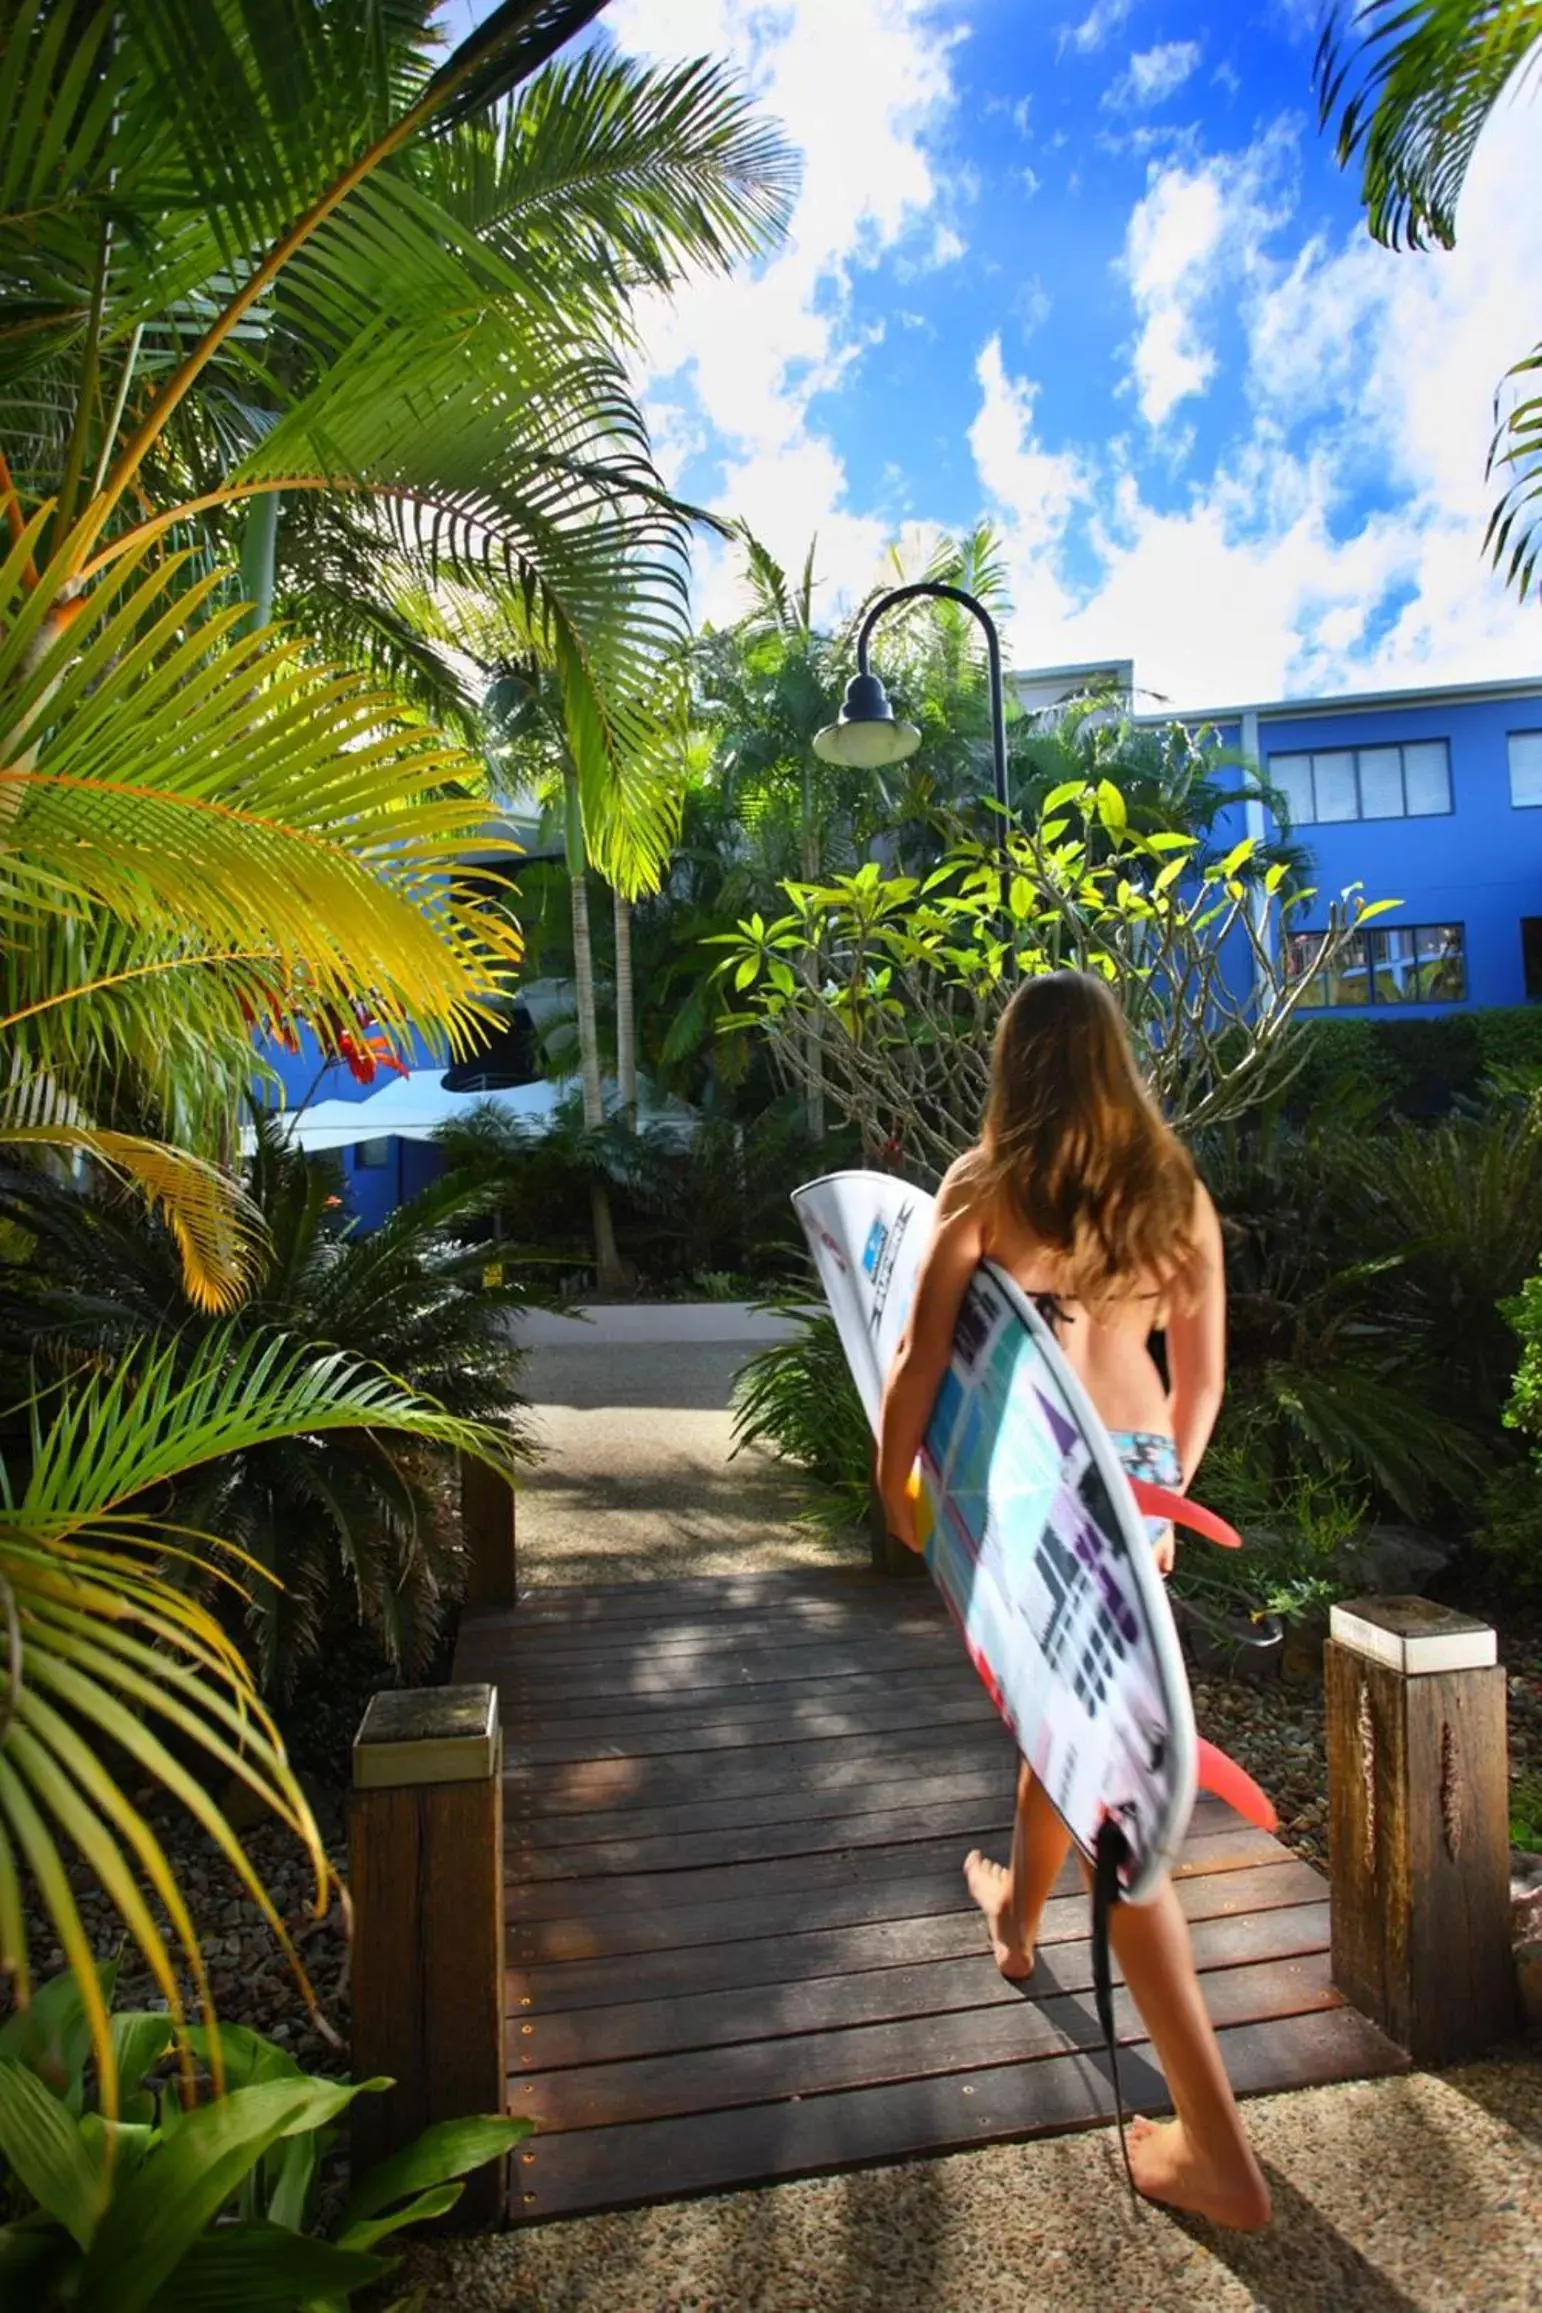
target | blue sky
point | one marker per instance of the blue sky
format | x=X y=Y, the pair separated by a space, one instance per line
x=1088 y=269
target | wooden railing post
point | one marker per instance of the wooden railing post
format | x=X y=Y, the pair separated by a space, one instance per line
x=426 y=1865
x=487 y=1526
x=1418 y=1825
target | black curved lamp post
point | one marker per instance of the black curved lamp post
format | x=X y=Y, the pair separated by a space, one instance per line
x=866 y=734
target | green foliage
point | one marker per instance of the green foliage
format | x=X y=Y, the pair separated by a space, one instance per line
x=1297 y=1529
x=797 y=1397
x=1421 y=1067
x=710 y=1195
x=886 y=988
x=206 y=2204
x=1526 y=1813
x=1512 y=1529
x=336 y=1518
x=1412 y=83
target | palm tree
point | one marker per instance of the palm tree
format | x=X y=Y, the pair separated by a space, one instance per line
x=228 y=282
x=1411 y=88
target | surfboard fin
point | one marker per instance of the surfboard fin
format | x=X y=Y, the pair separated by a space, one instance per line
x=1159 y=1502
x=1221 y=1776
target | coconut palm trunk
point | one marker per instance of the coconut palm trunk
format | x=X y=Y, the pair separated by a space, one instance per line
x=626 y=1011
x=609 y=1271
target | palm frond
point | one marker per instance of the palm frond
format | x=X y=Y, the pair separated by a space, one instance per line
x=1411 y=83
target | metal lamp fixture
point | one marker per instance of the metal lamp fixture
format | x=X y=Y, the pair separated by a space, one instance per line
x=867 y=734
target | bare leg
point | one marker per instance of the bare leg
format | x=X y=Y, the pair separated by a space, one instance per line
x=1201 y=2161
x=1013 y=1900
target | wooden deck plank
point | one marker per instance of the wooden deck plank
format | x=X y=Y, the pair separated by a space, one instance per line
x=671 y=2158
x=740 y=1946
x=804 y=1956
x=975 y=1817
x=872 y=1891
x=634 y=1827
x=858 y=1679
x=817 y=2062
x=560 y=2037
x=836 y=1763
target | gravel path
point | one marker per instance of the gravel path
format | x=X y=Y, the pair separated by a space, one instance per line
x=1400 y=2196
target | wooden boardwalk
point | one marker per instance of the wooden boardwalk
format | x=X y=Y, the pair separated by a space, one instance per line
x=739 y=1942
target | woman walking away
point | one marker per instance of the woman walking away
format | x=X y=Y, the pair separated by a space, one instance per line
x=1080 y=1191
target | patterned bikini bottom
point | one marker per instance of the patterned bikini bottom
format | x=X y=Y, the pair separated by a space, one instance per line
x=1147 y=1454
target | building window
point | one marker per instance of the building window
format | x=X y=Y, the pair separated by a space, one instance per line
x=372 y=1156
x=1531 y=953
x=1406 y=782
x=1405 y=964
x=1526 y=769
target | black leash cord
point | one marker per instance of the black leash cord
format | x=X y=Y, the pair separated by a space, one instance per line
x=1109 y=1853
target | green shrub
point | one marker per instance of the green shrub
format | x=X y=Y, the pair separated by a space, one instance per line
x=1296 y=1529
x=797 y=1396
x=345 y=1524
x=1422 y=1067
x=209 y=2203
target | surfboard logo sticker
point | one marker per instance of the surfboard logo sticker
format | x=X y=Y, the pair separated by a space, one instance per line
x=879 y=1256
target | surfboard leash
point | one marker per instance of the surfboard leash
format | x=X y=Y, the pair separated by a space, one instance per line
x=1108 y=1854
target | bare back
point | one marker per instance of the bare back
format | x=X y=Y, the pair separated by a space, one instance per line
x=1110 y=1350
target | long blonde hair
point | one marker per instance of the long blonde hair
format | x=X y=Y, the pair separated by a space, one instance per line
x=1075 y=1146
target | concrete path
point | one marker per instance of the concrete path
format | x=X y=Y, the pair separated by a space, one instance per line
x=637 y=1483
x=1418 y=2195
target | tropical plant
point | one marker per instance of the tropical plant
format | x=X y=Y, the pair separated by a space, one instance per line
x=1174 y=780
x=333 y=1523
x=1411 y=84
x=905 y=975
x=696 y=1195
x=797 y=1397
x=195 y=2203
x=202 y=827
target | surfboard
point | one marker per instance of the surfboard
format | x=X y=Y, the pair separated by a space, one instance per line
x=1033 y=1534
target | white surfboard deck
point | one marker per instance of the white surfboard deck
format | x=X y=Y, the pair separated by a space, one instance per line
x=1031 y=1531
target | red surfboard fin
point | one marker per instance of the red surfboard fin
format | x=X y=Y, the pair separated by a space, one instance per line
x=1157 y=1502
x=1215 y=1773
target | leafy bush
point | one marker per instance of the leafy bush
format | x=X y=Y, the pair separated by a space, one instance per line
x=797 y=1396
x=195 y=2203
x=1421 y=1067
x=713 y=1200
x=1296 y=1531
x=353 y=1519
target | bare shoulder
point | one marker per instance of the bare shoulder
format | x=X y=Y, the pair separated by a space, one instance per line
x=960 y=1202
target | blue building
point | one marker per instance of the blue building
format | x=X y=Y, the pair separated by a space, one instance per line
x=1429 y=797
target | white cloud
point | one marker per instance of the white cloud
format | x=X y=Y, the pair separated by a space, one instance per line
x=1362 y=368
x=1195 y=227
x=749 y=354
x=1100 y=23
x=1154 y=75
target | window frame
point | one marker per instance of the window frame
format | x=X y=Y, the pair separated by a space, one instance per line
x=1366 y=968
x=1525 y=731
x=1360 y=816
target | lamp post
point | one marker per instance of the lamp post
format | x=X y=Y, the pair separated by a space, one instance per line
x=866 y=734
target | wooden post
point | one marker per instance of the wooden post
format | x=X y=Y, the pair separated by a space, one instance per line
x=426 y=1864
x=1418 y=1825
x=487 y=1525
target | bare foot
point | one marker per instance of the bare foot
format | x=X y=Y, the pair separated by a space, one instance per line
x=1167 y=2168
x=992 y=1891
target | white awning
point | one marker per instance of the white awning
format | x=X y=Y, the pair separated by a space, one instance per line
x=413 y=1107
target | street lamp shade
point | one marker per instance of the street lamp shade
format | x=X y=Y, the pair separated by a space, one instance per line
x=866 y=735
